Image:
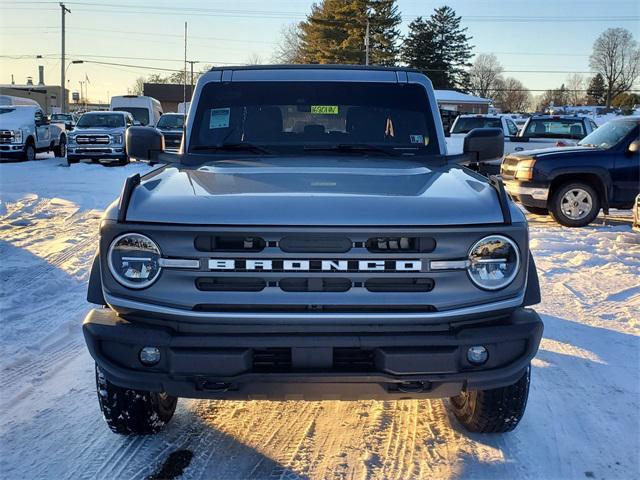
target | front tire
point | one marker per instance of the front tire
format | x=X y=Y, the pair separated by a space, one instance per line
x=574 y=204
x=29 y=152
x=61 y=149
x=133 y=412
x=497 y=410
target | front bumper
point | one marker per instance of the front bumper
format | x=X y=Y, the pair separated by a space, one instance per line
x=103 y=151
x=313 y=363
x=9 y=150
x=528 y=194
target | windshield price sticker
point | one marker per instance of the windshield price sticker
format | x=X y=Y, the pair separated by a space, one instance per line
x=219 y=118
x=324 y=109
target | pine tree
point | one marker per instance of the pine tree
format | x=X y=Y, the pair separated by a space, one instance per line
x=439 y=47
x=596 y=90
x=334 y=32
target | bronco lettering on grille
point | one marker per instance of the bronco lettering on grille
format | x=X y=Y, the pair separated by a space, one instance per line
x=297 y=265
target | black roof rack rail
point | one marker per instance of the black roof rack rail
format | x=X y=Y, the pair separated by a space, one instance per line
x=125 y=197
x=496 y=182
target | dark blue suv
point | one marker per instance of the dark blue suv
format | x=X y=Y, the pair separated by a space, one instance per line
x=573 y=184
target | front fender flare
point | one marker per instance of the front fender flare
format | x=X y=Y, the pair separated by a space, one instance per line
x=94 y=292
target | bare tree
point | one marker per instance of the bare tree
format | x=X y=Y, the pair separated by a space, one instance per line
x=512 y=96
x=289 y=48
x=485 y=74
x=576 y=84
x=137 y=88
x=254 y=59
x=617 y=58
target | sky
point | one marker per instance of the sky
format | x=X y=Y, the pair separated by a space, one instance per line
x=537 y=41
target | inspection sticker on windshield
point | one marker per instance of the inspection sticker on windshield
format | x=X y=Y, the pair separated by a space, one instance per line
x=219 y=118
x=417 y=139
x=324 y=109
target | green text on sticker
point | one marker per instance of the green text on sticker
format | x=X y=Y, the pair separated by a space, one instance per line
x=324 y=109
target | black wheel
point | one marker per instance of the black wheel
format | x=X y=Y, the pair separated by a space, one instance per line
x=29 y=152
x=133 y=412
x=492 y=411
x=536 y=210
x=71 y=160
x=574 y=204
x=61 y=149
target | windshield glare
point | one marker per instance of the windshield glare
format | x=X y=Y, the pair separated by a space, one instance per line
x=608 y=135
x=466 y=124
x=294 y=115
x=555 y=128
x=139 y=114
x=171 y=122
x=102 y=120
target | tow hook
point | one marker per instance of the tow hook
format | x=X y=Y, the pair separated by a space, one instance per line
x=414 y=387
x=216 y=387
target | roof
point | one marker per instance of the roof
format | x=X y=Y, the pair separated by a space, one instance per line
x=315 y=66
x=451 y=96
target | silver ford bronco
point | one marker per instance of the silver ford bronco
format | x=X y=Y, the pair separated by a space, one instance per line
x=312 y=239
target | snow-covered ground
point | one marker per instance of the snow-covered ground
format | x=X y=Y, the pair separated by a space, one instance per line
x=582 y=421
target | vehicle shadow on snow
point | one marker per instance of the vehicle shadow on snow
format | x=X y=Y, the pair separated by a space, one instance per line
x=583 y=413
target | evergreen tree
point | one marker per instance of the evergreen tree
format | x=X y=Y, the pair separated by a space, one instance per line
x=439 y=46
x=596 y=90
x=334 y=32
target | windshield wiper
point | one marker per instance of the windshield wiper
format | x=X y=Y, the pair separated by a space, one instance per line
x=351 y=147
x=234 y=147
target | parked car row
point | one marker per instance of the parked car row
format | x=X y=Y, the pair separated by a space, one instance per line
x=97 y=136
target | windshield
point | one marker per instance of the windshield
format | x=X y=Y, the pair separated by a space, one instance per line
x=102 y=120
x=466 y=124
x=288 y=116
x=62 y=116
x=555 y=128
x=171 y=122
x=140 y=114
x=608 y=135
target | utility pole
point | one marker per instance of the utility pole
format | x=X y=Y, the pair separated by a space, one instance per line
x=184 y=89
x=366 y=43
x=63 y=98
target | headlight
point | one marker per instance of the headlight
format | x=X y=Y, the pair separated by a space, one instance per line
x=134 y=260
x=524 y=169
x=71 y=139
x=17 y=136
x=494 y=262
x=117 y=138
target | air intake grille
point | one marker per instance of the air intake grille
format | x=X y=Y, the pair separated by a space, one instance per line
x=353 y=360
x=272 y=360
x=399 y=284
x=221 y=284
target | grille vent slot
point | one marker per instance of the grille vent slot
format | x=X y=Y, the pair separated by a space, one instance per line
x=401 y=244
x=229 y=243
x=315 y=284
x=353 y=360
x=221 y=284
x=271 y=360
x=315 y=244
x=399 y=284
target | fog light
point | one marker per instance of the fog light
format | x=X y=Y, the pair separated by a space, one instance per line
x=477 y=355
x=150 y=355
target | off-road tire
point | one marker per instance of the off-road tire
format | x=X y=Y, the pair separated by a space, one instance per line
x=536 y=210
x=497 y=410
x=29 y=152
x=133 y=412
x=555 y=204
x=60 y=150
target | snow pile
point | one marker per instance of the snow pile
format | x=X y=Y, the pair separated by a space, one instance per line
x=582 y=419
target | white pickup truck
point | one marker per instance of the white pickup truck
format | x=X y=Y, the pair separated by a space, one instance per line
x=26 y=130
x=540 y=131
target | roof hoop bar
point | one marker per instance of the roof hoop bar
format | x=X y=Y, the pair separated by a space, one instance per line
x=125 y=197
x=496 y=182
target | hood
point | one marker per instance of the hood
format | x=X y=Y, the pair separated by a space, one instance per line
x=541 y=152
x=97 y=131
x=316 y=191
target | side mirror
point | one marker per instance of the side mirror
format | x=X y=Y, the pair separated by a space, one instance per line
x=484 y=144
x=144 y=143
x=634 y=147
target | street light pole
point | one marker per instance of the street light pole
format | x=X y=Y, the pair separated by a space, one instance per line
x=63 y=99
x=366 y=43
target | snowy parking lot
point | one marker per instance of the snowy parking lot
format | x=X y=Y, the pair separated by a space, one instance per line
x=582 y=420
